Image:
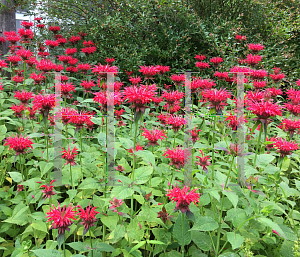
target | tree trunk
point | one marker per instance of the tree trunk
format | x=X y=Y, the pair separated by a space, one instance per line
x=7 y=22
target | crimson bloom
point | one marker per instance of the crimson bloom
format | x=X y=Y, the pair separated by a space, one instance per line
x=163 y=215
x=183 y=198
x=290 y=126
x=194 y=134
x=177 y=156
x=69 y=156
x=216 y=60
x=19 y=144
x=61 y=218
x=199 y=57
x=253 y=59
x=203 y=161
x=154 y=135
x=178 y=79
x=176 y=122
x=66 y=89
x=88 y=217
x=135 y=80
x=239 y=38
x=115 y=204
x=284 y=147
x=172 y=96
x=149 y=71
x=23 y=96
x=45 y=103
x=102 y=70
x=48 y=191
x=216 y=98
x=87 y=85
x=255 y=48
x=202 y=65
x=18 y=109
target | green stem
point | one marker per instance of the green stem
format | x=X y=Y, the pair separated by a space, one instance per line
x=174 y=140
x=182 y=246
x=213 y=150
x=91 y=242
x=71 y=177
x=257 y=146
x=64 y=249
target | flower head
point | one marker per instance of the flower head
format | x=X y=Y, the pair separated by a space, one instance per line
x=194 y=134
x=45 y=103
x=154 y=135
x=203 y=161
x=19 y=143
x=48 y=191
x=183 y=198
x=163 y=215
x=177 y=155
x=88 y=217
x=149 y=71
x=115 y=203
x=176 y=122
x=216 y=97
x=284 y=147
x=23 y=96
x=61 y=217
x=69 y=156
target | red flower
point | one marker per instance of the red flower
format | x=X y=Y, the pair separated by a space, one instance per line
x=27 y=24
x=255 y=48
x=54 y=29
x=163 y=215
x=163 y=118
x=259 y=84
x=135 y=80
x=32 y=61
x=216 y=98
x=290 y=126
x=203 y=161
x=233 y=121
x=149 y=71
x=115 y=204
x=264 y=110
x=45 y=103
x=71 y=51
x=14 y=59
x=253 y=59
x=172 y=108
x=61 y=218
x=87 y=85
x=259 y=74
x=173 y=96
x=48 y=191
x=89 y=50
x=32 y=112
x=202 y=65
x=66 y=89
x=139 y=96
x=74 y=39
x=20 y=188
x=3 y=64
x=298 y=82
x=154 y=135
x=38 y=19
x=255 y=96
x=176 y=122
x=40 y=26
x=25 y=34
x=102 y=70
x=177 y=156
x=51 y=43
x=88 y=217
x=23 y=96
x=72 y=61
x=194 y=134
x=137 y=148
x=118 y=113
x=38 y=78
x=178 y=79
x=18 y=109
x=162 y=69
x=24 y=54
x=88 y=43
x=284 y=147
x=45 y=65
x=80 y=118
x=66 y=114
x=83 y=67
x=71 y=69
x=19 y=144
x=240 y=38
x=70 y=156
x=216 y=60
x=277 y=77
x=183 y=198
x=110 y=60
x=221 y=75
x=199 y=57
x=61 y=41
x=12 y=36
x=202 y=84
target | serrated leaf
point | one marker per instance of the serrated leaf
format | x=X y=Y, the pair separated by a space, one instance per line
x=235 y=239
x=142 y=174
x=202 y=240
x=16 y=176
x=40 y=225
x=181 y=231
x=79 y=246
x=47 y=253
x=147 y=156
x=205 y=223
x=273 y=226
x=232 y=196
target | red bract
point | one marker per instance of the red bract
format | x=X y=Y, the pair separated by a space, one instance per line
x=110 y=60
x=3 y=64
x=154 y=135
x=24 y=54
x=23 y=96
x=48 y=191
x=88 y=43
x=253 y=59
x=74 y=39
x=40 y=26
x=19 y=143
x=115 y=203
x=38 y=78
x=45 y=65
x=66 y=114
x=177 y=155
x=25 y=33
x=45 y=103
x=239 y=38
x=61 y=41
x=12 y=36
x=178 y=79
x=18 y=79
x=69 y=156
x=66 y=89
x=163 y=118
x=173 y=96
x=163 y=215
x=137 y=148
x=176 y=122
x=89 y=50
x=71 y=51
x=149 y=71
x=54 y=29
x=88 y=217
x=71 y=69
x=264 y=110
x=32 y=61
x=27 y=24
x=221 y=75
x=87 y=85
x=83 y=67
x=80 y=118
x=258 y=74
x=64 y=58
x=255 y=96
x=183 y=198
x=162 y=69
x=199 y=57
x=51 y=43
x=277 y=77
x=216 y=60
x=18 y=109
x=234 y=122
x=102 y=70
x=203 y=161
x=135 y=80
x=216 y=98
x=139 y=96
x=61 y=217
x=255 y=48
x=284 y=147
x=259 y=84
x=14 y=59
x=290 y=126
x=202 y=65
x=194 y=134
x=72 y=61
x=202 y=84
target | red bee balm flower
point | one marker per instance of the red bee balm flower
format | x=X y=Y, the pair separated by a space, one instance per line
x=48 y=191
x=203 y=161
x=194 y=134
x=70 y=156
x=23 y=96
x=216 y=98
x=176 y=122
x=61 y=218
x=19 y=144
x=154 y=135
x=149 y=71
x=177 y=156
x=290 y=126
x=183 y=198
x=284 y=147
x=45 y=103
x=88 y=217
x=216 y=60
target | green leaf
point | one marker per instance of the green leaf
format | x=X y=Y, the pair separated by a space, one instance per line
x=181 y=231
x=202 y=240
x=229 y=255
x=205 y=223
x=140 y=244
x=29 y=81
x=155 y=242
x=79 y=246
x=102 y=139
x=89 y=183
x=264 y=159
x=288 y=232
x=103 y=247
x=235 y=239
x=272 y=225
x=286 y=249
x=47 y=253
x=72 y=193
x=122 y=192
x=126 y=142
x=142 y=174
x=18 y=216
x=232 y=196
x=47 y=168
x=16 y=176
x=40 y=225
x=147 y=156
